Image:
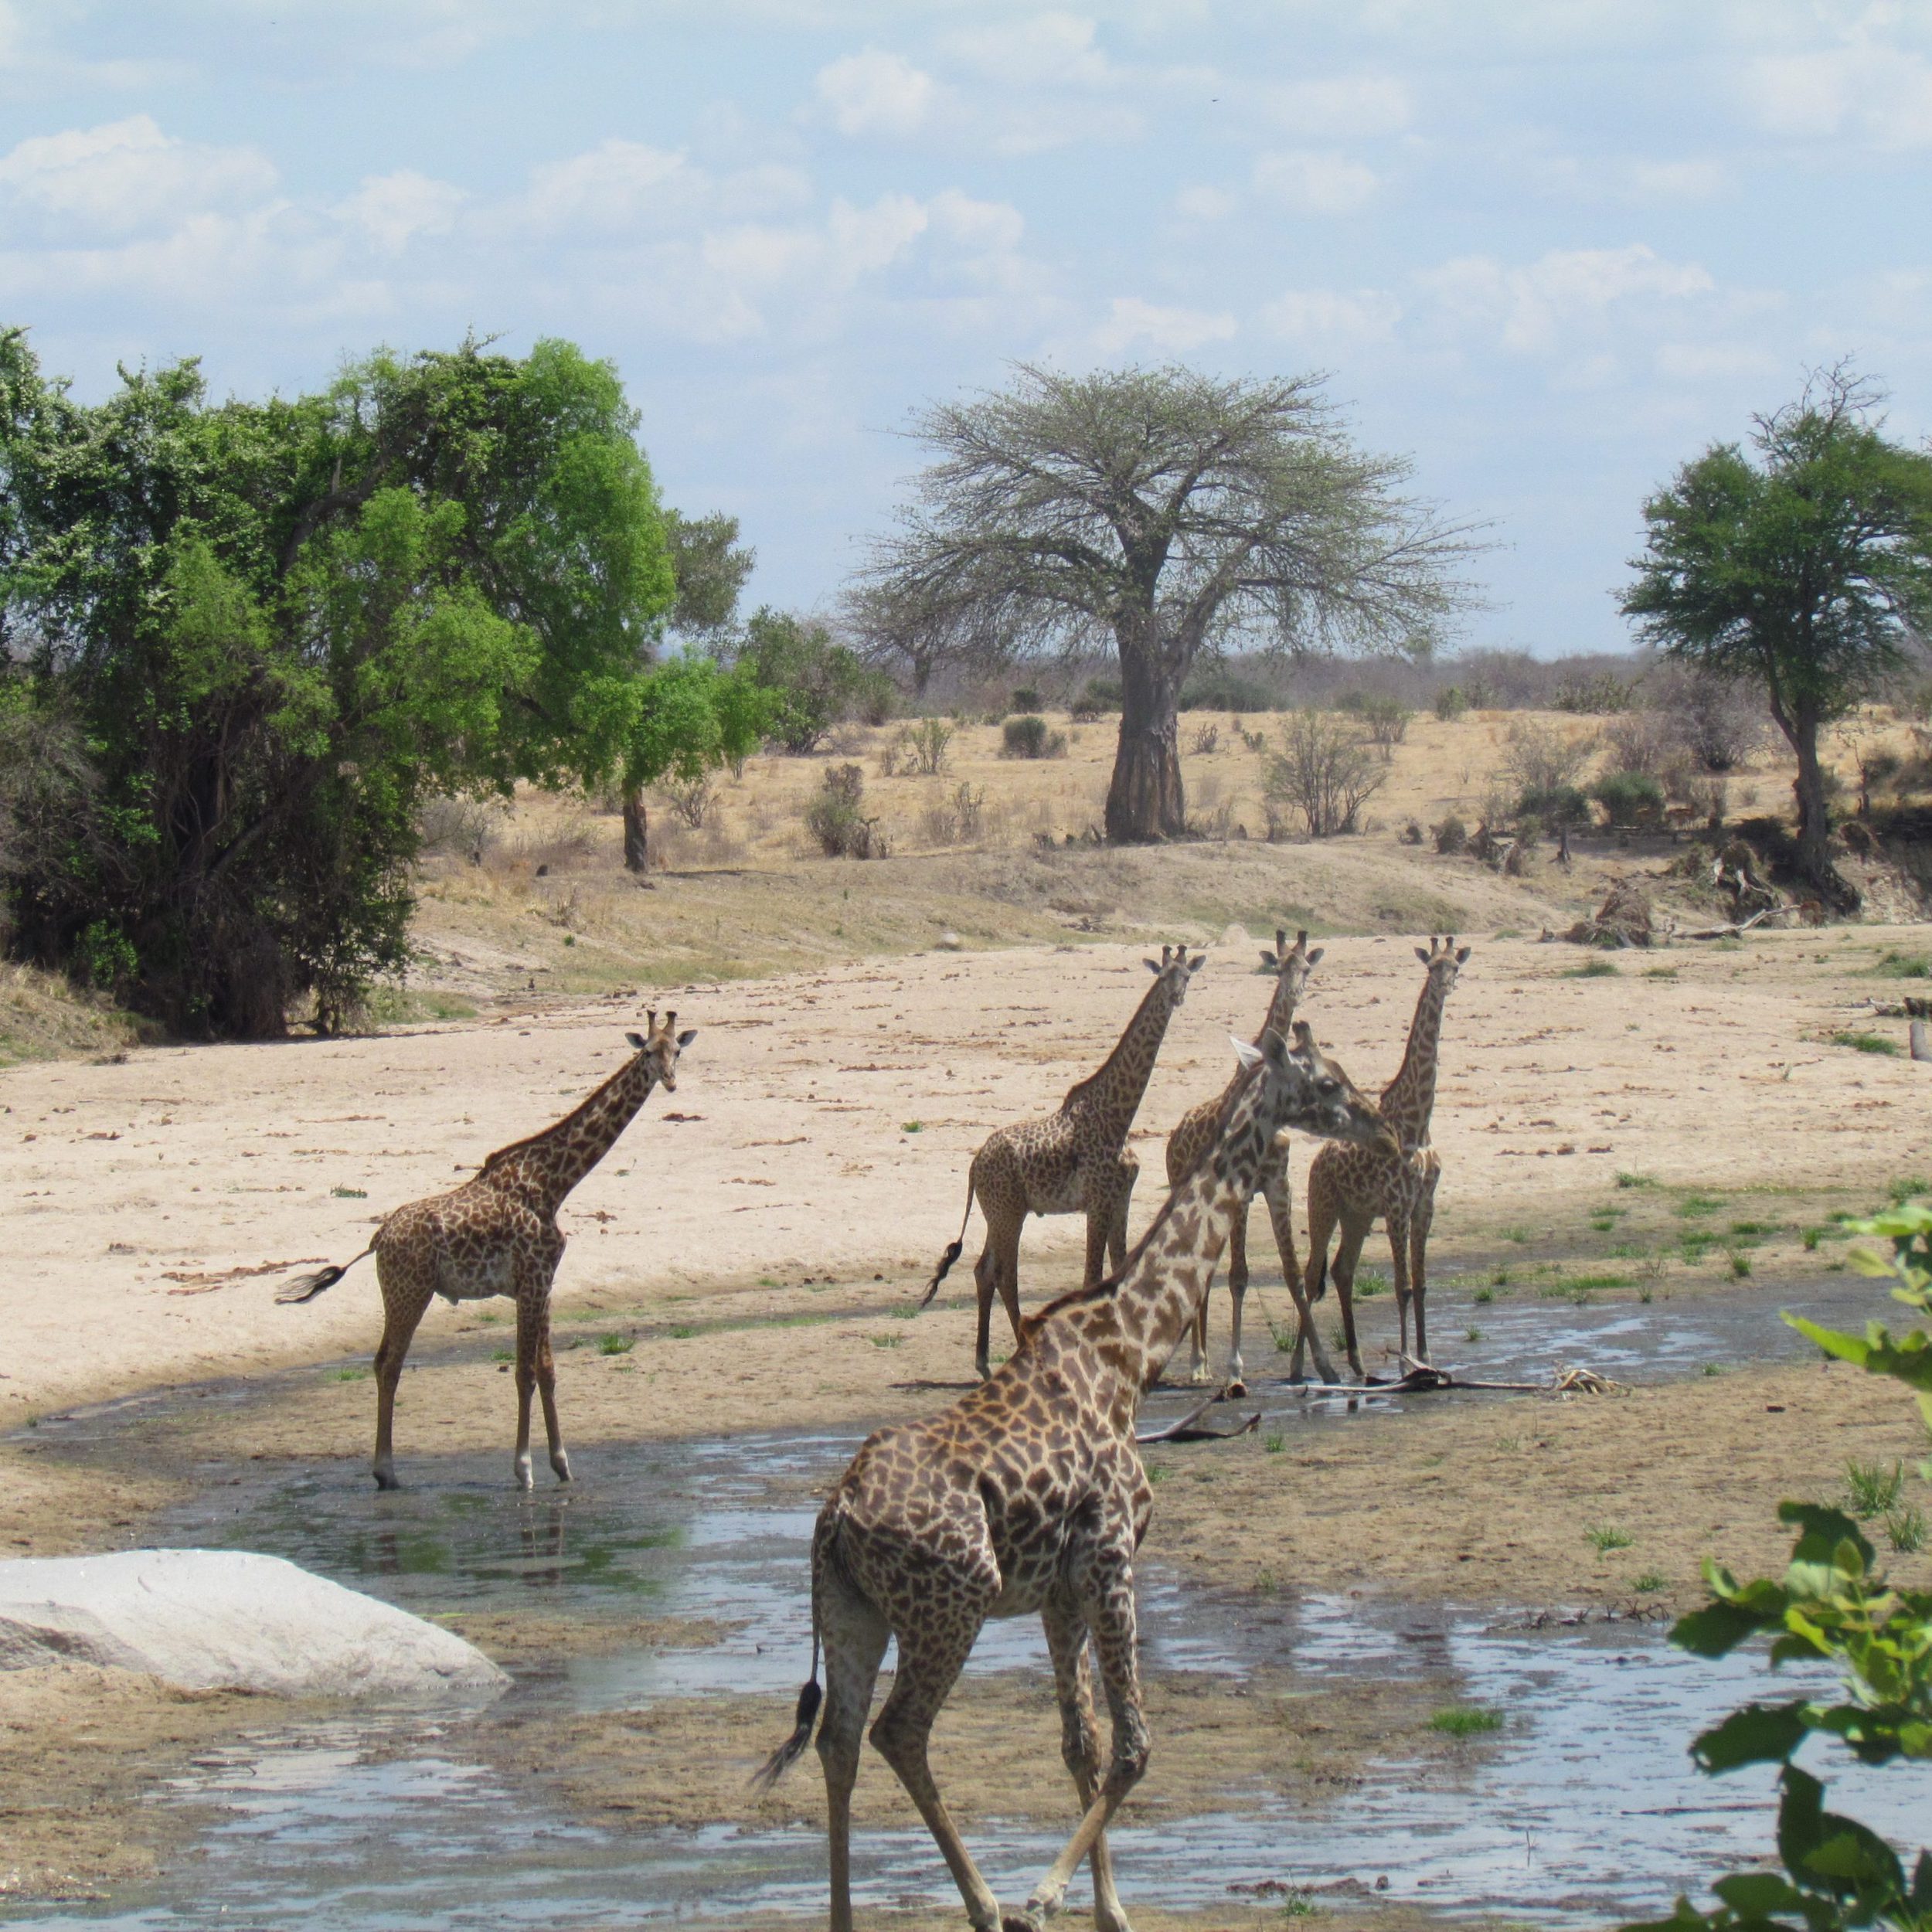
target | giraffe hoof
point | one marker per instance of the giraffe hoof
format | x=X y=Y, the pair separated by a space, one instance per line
x=561 y=1463
x=385 y=1476
x=1236 y=1389
x=520 y=1472
x=1025 y=1921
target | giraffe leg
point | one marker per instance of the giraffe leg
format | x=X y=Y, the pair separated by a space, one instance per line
x=1116 y=1229
x=1399 y=1225
x=1080 y=1743
x=1001 y=1260
x=1322 y=1213
x=1348 y=1252
x=930 y=1659
x=985 y=1273
x=532 y=1342
x=536 y=1300
x=1109 y=1612
x=855 y=1635
x=1278 y=1189
x=403 y=1302
x=1419 y=1227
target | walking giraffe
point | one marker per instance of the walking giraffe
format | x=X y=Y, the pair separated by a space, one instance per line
x=1354 y=1185
x=1072 y=1161
x=497 y=1234
x=1028 y=1494
x=1194 y=1134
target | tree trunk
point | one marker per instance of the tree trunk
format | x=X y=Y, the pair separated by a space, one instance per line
x=637 y=833
x=1814 y=820
x=1145 y=801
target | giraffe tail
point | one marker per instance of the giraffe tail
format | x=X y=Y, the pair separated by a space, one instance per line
x=305 y=1288
x=789 y=1753
x=1319 y=1289
x=953 y=1251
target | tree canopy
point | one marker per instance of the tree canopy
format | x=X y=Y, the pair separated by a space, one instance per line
x=1804 y=565
x=1159 y=513
x=243 y=641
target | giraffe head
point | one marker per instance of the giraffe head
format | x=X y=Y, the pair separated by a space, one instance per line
x=1173 y=969
x=1308 y=1091
x=1443 y=959
x=661 y=1045
x=1290 y=965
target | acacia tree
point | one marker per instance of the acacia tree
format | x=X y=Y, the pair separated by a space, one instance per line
x=1161 y=513
x=1805 y=566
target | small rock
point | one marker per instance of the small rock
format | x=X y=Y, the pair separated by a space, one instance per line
x=950 y=942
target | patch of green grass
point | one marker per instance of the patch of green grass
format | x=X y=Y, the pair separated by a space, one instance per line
x=1601 y=1224
x=1275 y=1443
x=765 y=1281
x=684 y=1330
x=1604 y=1538
x=1712 y=1369
x=1871 y=1489
x=1483 y=1296
x=1635 y=1180
x=1692 y=1205
x=1370 y=1282
x=1650 y=1582
x=1908 y=1187
x=1866 y=1042
x=1660 y=972
x=1811 y=1237
x=1158 y=1472
x=887 y=1340
x=1298 y=1905
x=1500 y=1279
x=1466 y=1720
x=1645 y=1296
x=1753 y=1227
x=350 y=1193
x=1472 y=1333
x=1520 y=1235
x=350 y=1374
x=615 y=1344
x=912 y=1126
x=1600 y=1281
x=504 y=1355
x=1624 y=1251
x=1741 y=1265
x=909 y=1312
x=1593 y=969
x=1905 y=1529
x=1897 y=965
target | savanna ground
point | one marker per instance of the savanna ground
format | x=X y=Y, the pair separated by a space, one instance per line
x=1651 y=1129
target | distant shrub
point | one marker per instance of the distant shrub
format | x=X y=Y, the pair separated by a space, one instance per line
x=1386 y=718
x=1026 y=699
x=1029 y=738
x=1449 y=703
x=1629 y=797
x=924 y=746
x=1452 y=836
x=1323 y=772
x=1207 y=739
x=835 y=816
x=1097 y=695
x=1215 y=688
x=1539 y=759
x=1597 y=696
x=1555 y=805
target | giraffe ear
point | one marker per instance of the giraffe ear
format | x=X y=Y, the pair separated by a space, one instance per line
x=1152 y=965
x=1314 y=958
x=686 y=1037
x=1249 y=1056
x=1462 y=955
x=637 y=1040
x=1269 y=963
x=1195 y=964
x=1422 y=954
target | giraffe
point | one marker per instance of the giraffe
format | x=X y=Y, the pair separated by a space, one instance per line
x=1028 y=1494
x=1194 y=1133
x=497 y=1234
x=1073 y=1161
x=1354 y=1185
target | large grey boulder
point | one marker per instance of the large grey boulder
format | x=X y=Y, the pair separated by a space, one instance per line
x=225 y=1619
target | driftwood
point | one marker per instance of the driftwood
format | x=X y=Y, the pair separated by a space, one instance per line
x=1187 y=1430
x=1728 y=931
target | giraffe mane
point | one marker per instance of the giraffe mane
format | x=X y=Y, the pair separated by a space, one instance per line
x=491 y=1162
x=1081 y=1088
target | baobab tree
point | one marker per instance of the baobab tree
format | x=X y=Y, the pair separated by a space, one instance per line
x=1162 y=513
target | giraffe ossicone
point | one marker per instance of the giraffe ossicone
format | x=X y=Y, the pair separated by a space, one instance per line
x=1028 y=1495
x=497 y=1234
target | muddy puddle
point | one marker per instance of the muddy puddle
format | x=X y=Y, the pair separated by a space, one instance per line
x=1583 y=1808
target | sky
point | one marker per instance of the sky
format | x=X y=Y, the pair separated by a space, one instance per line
x=1546 y=250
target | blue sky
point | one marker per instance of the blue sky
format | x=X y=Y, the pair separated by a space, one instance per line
x=1546 y=248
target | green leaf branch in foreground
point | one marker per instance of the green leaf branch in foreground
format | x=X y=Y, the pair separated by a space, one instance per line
x=1833 y=1605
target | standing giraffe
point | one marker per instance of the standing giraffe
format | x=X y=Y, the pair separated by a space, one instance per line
x=497 y=1234
x=1354 y=1184
x=1195 y=1134
x=1029 y=1495
x=1073 y=1161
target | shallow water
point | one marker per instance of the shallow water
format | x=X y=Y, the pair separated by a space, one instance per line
x=1583 y=1807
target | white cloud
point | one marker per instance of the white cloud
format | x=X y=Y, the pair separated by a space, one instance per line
x=1343 y=317
x=1536 y=309
x=1350 y=107
x=621 y=187
x=1172 y=331
x=392 y=210
x=127 y=176
x=1314 y=180
x=1202 y=206
x=1678 y=180
x=1048 y=51
x=983 y=227
x=876 y=92
x=1880 y=93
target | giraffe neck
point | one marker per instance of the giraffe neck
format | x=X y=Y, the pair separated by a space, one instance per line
x=1281 y=1004
x=1137 y=1325
x=548 y=1166
x=1410 y=1099
x=1113 y=1093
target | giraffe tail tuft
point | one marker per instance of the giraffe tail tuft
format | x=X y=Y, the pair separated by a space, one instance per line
x=305 y=1288
x=1319 y=1291
x=789 y=1753
x=945 y=1261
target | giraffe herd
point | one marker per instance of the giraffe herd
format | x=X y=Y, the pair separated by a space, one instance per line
x=1028 y=1494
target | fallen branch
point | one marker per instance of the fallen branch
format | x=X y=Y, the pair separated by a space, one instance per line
x=1185 y=1429
x=1730 y=931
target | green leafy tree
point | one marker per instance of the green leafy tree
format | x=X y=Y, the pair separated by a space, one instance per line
x=1835 y=1605
x=271 y=630
x=717 y=720
x=1804 y=566
x=813 y=681
x=1160 y=514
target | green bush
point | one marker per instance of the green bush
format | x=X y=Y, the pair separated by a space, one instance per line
x=1029 y=738
x=835 y=816
x=1097 y=695
x=1449 y=703
x=1215 y=688
x=1629 y=798
x=1026 y=698
x=1554 y=805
